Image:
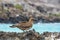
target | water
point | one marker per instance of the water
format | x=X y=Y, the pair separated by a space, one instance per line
x=44 y=27
x=39 y=27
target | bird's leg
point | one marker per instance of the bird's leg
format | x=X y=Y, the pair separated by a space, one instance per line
x=24 y=31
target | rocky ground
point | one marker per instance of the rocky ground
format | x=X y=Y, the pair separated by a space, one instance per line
x=29 y=35
x=43 y=11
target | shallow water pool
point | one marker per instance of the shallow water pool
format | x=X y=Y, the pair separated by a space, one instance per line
x=39 y=27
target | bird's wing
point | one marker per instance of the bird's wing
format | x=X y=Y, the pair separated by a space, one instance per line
x=23 y=22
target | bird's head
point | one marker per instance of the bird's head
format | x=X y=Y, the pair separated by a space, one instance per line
x=32 y=18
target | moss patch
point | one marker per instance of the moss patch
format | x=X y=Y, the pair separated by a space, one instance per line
x=18 y=6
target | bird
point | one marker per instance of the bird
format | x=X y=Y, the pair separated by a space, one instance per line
x=24 y=25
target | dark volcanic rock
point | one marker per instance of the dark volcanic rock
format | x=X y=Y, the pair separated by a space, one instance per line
x=29 y=35
x=41 y=9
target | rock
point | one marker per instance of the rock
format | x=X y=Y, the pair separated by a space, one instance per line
x=29 y=35
x=39 y=9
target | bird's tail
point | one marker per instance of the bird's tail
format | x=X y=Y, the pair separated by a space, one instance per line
x=13 y=26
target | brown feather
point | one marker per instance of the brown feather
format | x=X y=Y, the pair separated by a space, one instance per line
x=24 y=25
